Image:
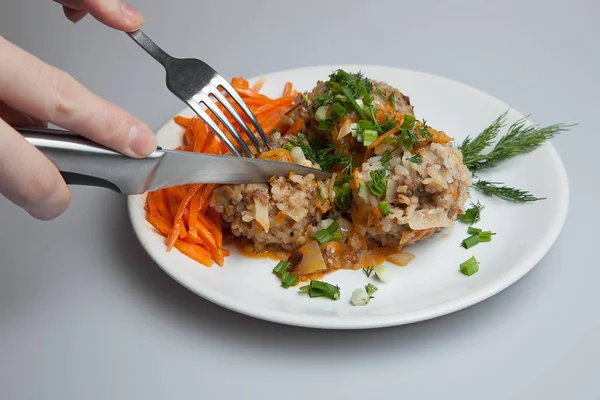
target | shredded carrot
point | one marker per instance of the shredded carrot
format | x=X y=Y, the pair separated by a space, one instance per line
x=287 y=90
x=182 y=214
x=381 y=138
x=195 y=252
x=258 y=85
x=183 y=121
x=296 y=126
x=277 y=155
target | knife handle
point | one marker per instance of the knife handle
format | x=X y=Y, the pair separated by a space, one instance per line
x=83 y=162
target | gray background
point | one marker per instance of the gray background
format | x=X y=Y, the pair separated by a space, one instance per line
x=85 y=314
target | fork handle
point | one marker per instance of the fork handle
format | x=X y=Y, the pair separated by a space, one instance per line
x=151 y=48
x=83 y=162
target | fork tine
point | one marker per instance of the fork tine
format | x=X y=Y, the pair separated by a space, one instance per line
x=211 y=123
x=217 y=93
x=219 y=114
x=236 y=97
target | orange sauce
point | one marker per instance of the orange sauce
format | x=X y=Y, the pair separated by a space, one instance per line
x=370 y=258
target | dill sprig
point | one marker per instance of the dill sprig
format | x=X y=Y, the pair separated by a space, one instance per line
x=521 y=138
x=325 y=155
x=502 y=191
x=368 y=271
x=472 y=148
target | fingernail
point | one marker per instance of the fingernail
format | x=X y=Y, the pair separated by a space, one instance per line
x=132 y=14
x=141 y=141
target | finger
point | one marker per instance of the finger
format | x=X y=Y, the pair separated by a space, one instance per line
x=74 y=15
x=17 y=118
x=34 y=184
x=48 y=94
x=113 y=13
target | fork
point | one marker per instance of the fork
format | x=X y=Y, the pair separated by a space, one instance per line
x=195 y=82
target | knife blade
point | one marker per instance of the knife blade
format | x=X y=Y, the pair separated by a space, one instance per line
x=83 y=162
x=179 y=168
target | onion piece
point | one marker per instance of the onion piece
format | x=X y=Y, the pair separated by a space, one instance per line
x=261 y=210
x=345 y=129
x=402 y=259
x=297 y=155
x=426 y=219
x=390 y=191
x=312 y=259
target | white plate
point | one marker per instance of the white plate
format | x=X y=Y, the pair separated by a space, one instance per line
x=431 y=285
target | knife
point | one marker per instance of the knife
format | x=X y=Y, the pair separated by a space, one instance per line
x=83 y=162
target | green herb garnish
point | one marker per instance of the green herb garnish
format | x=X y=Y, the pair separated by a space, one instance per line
x=386 y=158
x=322 y=154
x=392 y=100
x=343 y=196
x=368 y=271
x=469 y=267
x=322 y=289
x=417 y=158
x=505 y=192
x=521 y=138
x=370 y=289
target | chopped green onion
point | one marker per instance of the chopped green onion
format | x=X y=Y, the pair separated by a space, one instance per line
x=288 y=146
x=321 y=113
x=469 y=267
x=384 y=206
x=486 y=236
x=364 y=125
x=472 y=215
x=477 y=236
x=360 y=297
x=338 y=110
x=473 y=231
x=383 y=274
x=326 y=125
x=327 y=235
x=362 y=191
x=471 y=241
x=341 y=97
x=281 y=267
x=288 y=280
x=369 y=137
x=354 y=103
x=322 y=289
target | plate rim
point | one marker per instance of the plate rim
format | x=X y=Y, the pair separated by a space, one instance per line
x=318 y=322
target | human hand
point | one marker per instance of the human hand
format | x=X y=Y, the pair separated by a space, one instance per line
x=113 y=13
x=35 y=93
